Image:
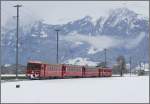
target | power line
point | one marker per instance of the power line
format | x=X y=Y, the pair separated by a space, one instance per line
x=17 y=33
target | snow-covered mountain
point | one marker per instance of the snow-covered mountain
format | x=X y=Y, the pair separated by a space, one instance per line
x=122 y=32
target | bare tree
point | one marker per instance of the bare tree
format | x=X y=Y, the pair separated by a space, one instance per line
x=121 y=64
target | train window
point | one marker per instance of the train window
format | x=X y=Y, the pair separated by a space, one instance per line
x=42 y=67
x=55 y=68
x=49 y=67
x=34 y=66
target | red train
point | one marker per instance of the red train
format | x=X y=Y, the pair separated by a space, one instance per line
x=39 y=70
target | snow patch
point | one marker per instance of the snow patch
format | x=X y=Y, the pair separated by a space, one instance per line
x=43 y=34
x=93 y=50
x=122 y=14
x=132 y=25
x=73 y=33
x=141 y=17
x=34 y=35
x=78 y=43
x=7 y=65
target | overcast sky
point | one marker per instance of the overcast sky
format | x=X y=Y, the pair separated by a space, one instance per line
x=59 y=12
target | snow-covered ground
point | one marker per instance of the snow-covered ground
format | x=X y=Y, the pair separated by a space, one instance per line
x=84 y=90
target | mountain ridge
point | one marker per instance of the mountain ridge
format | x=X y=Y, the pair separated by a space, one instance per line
x=38 y=41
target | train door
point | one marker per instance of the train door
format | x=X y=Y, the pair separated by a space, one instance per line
x=83 y=71
x=42 y=73
x=63 y=71
x=101 y=72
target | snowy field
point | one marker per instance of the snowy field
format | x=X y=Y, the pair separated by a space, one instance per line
x=126 y=89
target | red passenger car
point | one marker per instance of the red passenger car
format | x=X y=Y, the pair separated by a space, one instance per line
x=37 y=70
x=73 y=71
x=53 y=70
x=91 y=71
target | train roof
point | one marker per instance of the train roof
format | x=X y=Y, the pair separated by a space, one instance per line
x=33 y=61
x=97 y=67
x=91 y=67
x=40 y=62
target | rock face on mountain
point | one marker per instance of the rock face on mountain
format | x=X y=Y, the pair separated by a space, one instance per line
x=122 y=32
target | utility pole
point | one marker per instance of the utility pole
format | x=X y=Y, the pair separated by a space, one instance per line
x=144 y=65
x=0 y=46
x=140 y=65
x=57 y=44
x=17 y=33
x=130 y=65
x=149 y=47
x=105 y=57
